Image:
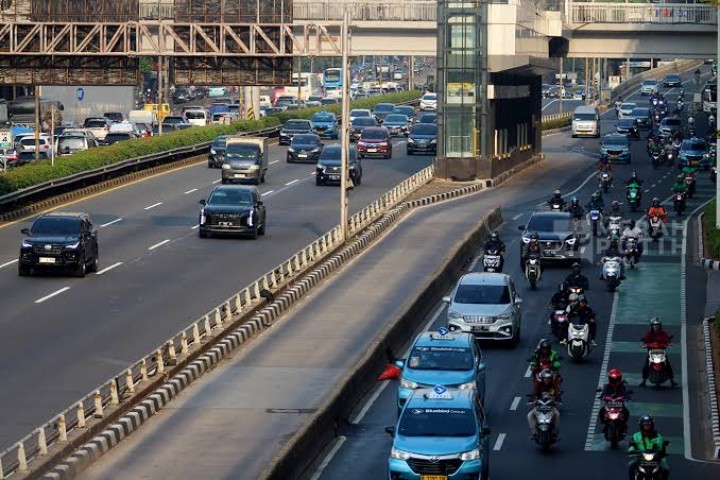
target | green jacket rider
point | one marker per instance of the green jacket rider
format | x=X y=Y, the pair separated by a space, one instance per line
x=679 y=185
x=656 y=148
x=648 y=439
x=545 y=350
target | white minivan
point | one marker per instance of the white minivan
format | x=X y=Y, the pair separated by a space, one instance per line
x=197 y=117
x=586 y=121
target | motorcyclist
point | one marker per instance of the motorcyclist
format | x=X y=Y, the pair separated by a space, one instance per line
x=615 y=210
x=605 y=168
x=632 y=230
x=647 y=439
x=545 y=355
x=697 y=76
x=532 y=420
x=618 y=102
x=596 y=202
x=557 y=199
x=657 y=210
x=657 y=336
x=559 y=301
x=654 y=147
x=604 y=165
x=612 y=251
x=575 y=210
x=689 y=171
x=679 y=186
x=494 y=243
x=634 y=179
x=711 y=121
x=577 y=279
x=615 y=387
x=581 y=314
x=532 y=247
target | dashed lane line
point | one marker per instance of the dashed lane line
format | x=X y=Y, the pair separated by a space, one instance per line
x=499 y=442
x=7 y=264
x=150 y=207
x=159 y=244
x=107 y=269
x=53 y=294
x=113 y=222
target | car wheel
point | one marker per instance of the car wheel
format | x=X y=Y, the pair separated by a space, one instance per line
x=23 y=270
x=210 y=165
x=94 y=265
x=359 y=180
x=254 y=234
x=410 y=152
x=318 y=182
x=81 y=269
x=261 y=230
x=289 y=160
x=515 y=341
x=202 y=234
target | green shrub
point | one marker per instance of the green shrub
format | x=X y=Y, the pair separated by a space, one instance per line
x=711 y=233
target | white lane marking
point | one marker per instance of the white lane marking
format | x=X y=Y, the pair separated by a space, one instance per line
x=191 y=191
x=591 y=176
x=110 y=223
x=548 y=104
x=107 y=269
x=499 y=442
x=56 y=292
x=153 y=205
x=194 y=227
x=312 y=173
x=273 y=162
x=373 y=398
x=267 y=193
x=291 y=182
x=603 y=373
x=517 y=216
x=7 y=264
x=328 y=458
x=217 y=181
x=160 y=244
x=528 y=372
x=653 y=185
x=473 y=264
x=515 y=403
x=647 y=190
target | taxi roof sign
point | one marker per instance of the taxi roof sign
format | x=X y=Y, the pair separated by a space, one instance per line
x=439 y=392
x=441 y=334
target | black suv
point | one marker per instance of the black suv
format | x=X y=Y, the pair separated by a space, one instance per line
x=328 y=168
x=60 y=241
x=233 y=210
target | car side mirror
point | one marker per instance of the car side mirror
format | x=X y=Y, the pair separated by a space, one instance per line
x=446 y=299
x=518 y=301
x=25 y=231
x=521 y=227
x=260 y=203
x=486 y=432
x=400 y=363
x=390 y=431
x=202 y=202
x=482 y=367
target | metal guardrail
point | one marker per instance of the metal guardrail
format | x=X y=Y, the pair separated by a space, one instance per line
x=97 y=405
x=634 y=82
x=664 y=13
x=378 y=10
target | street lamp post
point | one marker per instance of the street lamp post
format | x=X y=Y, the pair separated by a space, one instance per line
x=345 y=131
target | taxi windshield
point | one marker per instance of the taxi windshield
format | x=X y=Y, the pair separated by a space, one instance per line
x=437 y=422
x=440 y=358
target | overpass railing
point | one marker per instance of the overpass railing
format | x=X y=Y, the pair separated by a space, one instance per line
x=367 y=10
x=664 y=13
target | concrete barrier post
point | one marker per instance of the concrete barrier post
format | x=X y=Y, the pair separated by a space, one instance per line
x=99 y=413
x=265 y=284
x=256 y=290
x=183 y=343
x=2 y=476
x=196 y=334
x=297 y=263
x=304 y=259
x=274 y=279
x=238 y=303
x=62 y=431
x=248 y=298
x=42 y=442
x=289 y=268
x=228 y=312
x=206 y=320
x=22 y=459
x=129 y=381
x=80 y=415
x=218 y=319
x=114 y=397
x=159 y=362
x=171 y=352
x=143 y=371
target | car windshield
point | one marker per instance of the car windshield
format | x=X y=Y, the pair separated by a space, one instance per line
x=437 y=422
x=305 y=140
x=322 y=117
x=242 y=150
x=584 y=116
x=408 y=111
x=548 y=223
x=30 y=141
x=298 y=124
x=331 y=153
x=626 y=122
x=72 y=143
x=56 y=226
x=373 y=135
x=95 y=123
x=396 y=119
x=693 y=145
x=650 y=83
x=230 y=197
x=425 y=129
x=360 y=113
x=384 y=107
x=430 y=96
x=641 y=112
x=117 y=136
x=440 y=358
x=615 y=142
x=671 y=122
x=363 y=122
x=219 y=143
x=627 y=106
x=194 y=115
x=482 y=294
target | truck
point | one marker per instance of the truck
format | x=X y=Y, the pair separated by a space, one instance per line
x=246 y=160
x=143 y=116
x=80 y=102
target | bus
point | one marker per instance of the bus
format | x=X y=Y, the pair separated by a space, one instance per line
x=332 y=82
x=709 y=96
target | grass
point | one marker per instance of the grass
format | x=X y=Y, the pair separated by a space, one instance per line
x=711 y=234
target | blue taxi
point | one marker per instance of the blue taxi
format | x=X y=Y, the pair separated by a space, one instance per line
x=442 y=358
x=440 y=435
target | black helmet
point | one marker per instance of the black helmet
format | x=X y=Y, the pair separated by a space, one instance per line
x=556 y=193
x=656 y=202
x=632 y=224
x=534 y=236
x=646 y=421
x=575 y=201
x=615 y=204
x=581 y=298
x=680 y=178
x=544 y=345
x=576 y=267
x=494 y=235
x=634 y=174
x=655 y=321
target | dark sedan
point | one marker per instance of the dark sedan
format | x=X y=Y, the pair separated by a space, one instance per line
x=359 y=124
x=422 y=139
x=382 y=110
x=304 y=148
x=329 y=170
x=628 y=127
x=643 y=117
x=292 y=128
x=216 y=157
x=232 y=210
x=114 y=137
x=672 y=80
x=555 y=232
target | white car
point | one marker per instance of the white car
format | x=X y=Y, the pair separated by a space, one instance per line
x=359 y=112
x=625 y=110
x=428 y=102
x=649 y=87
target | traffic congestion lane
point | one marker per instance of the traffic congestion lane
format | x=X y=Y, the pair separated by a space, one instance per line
x=326 y=319
x=553 y=106
x=100 y=324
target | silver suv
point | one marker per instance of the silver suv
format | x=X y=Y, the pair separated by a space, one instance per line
x=486 y=305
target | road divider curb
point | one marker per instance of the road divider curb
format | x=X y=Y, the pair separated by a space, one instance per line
x=706 y=263
x=304 y=447
x=711 y=386
x=500 y=179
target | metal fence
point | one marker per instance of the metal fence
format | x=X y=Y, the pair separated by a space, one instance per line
x=389 y=10
x=665 y=13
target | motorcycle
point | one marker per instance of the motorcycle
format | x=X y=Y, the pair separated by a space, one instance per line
x=679 y=203
x=559 y=317
x=657 y=359
x=614 y=421
x=595 y=216
x=690 y=182
x=614 y=226
x=655 y=227
x=556 y=207
x=633 y=198
x=669 y=157
x=578 y=340
x=611 y=272
x=544 y=415
x=492 y=260
x=605 y=181
x=631 y=252
x=532 y=270
x=648 y=463
x=655 y=160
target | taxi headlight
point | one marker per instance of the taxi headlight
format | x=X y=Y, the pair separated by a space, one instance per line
x=470 y=455
x=434 y=140
x=226 y=166
x=467 y=386
x=408 y=384
x=454 y=314
x=399 y=454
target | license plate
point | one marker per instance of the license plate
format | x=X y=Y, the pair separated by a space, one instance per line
x=433 y=477
x=46 y=260
x=239 y=175
x=226 y=224
x=480 y=328
x=372 y=150
x=613 y=156
x=302 y=155
x=334 y=177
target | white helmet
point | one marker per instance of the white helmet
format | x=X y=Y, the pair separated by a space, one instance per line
x=691 y=120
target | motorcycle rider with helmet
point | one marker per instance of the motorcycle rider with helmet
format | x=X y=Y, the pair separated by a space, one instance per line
x=575 y=210
x=596 y=202
x=657 y=210
x=576 y=278
x=615 y=387
x=557 y=199
x=648 y=439
x=532 y=247
x=495 y=243
x=679 y=186
x=545 y=357
x=615 y=210
x=559 y=301
x=632 y=230
x=580 y=313
x=613 y=250
x=656 y=335
x=634 y=179
x=545 y=397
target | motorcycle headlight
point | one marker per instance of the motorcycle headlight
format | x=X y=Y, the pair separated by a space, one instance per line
x=470 y=455
x=648 y=457
x=226 y=166
x=212 y=151
x=408 y=384
x=72 y=246
x=467 y=386
x=454 y=314
x=399 y=454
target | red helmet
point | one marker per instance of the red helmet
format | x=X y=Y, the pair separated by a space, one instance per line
x=615 y=377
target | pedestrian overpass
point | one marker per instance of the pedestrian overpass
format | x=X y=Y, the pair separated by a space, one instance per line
x=530 y=28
